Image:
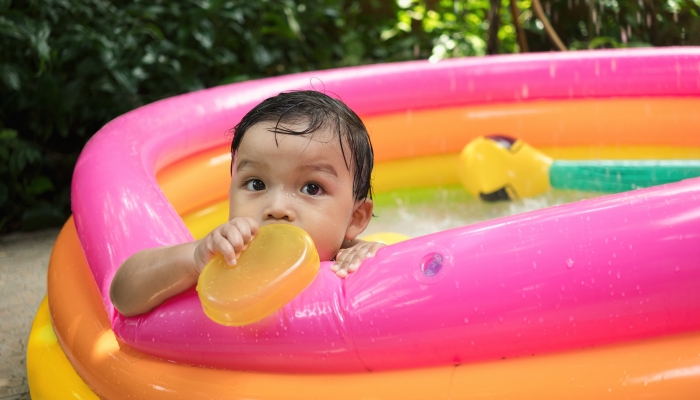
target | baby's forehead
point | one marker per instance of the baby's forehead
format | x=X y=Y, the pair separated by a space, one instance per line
x=268 y=139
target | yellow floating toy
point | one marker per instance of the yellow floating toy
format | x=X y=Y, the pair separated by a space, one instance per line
x=502 y=168
x=278 y=264
x=498 y=167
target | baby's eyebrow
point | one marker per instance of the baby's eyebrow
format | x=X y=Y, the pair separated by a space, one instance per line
x=247 y=164
x=327 y=168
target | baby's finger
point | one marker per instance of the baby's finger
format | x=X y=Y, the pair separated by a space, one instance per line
x=242 y=228
x=234 y=237
x=373 y=248
x=342 y=271
x=340 y=259
x=358 y=255
x=220 y=244
x=350 y=261
x=253 y=224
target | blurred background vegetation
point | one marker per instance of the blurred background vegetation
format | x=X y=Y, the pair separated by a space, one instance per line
x=67 y=67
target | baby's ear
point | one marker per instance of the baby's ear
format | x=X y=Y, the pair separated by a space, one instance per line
x=360 y=218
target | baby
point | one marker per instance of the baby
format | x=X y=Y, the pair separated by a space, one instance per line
x=300 y=158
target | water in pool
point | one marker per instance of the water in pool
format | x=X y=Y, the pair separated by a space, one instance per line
x=418 y=212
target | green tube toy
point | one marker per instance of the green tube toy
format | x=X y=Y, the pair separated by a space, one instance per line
x=498 y=167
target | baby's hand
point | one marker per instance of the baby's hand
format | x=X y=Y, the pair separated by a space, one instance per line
x=349 y=259
x=229 y=239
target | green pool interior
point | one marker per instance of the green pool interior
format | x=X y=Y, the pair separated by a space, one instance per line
x=417 y=212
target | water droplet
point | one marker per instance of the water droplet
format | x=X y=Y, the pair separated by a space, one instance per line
x=678 y=268
x=534 y=265
x=570 y=263
x=571 y=318
x=466 y=320
x=618 y=274
x=457 y=284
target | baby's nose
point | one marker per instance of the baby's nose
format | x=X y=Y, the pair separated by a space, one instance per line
x=280 y=207
x=278 y=214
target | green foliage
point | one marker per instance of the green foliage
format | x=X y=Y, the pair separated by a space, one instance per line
x=67 y=67
x=438 y=29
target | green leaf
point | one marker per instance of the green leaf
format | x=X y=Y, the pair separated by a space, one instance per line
x=9 y=28
x=205 y=33
x=38 y=38
x=8 y=134
x=39 y=184
x=10 y=77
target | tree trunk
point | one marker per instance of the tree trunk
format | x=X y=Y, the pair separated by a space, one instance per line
x=494 y=19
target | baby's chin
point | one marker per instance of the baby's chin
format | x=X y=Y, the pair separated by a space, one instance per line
x=328 y=254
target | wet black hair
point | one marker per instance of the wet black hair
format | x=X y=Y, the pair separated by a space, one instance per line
x=317 y=111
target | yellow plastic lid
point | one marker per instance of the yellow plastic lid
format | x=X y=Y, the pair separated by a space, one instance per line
x=277 y=265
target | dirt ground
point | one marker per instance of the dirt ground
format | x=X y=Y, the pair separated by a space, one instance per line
x=24 y=259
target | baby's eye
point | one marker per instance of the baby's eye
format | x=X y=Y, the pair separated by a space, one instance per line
x=255 y=185
x=311 y=189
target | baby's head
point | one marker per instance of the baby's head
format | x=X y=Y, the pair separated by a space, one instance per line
x=303 y=158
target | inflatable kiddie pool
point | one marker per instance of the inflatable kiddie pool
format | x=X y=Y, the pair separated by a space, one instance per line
x=602 y=292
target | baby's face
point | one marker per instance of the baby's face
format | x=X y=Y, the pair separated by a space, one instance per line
x=300 y=180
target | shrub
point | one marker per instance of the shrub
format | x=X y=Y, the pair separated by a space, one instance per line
x=67 y=67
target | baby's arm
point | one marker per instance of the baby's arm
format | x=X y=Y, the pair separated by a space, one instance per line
x=152 y=276
x=352 y=254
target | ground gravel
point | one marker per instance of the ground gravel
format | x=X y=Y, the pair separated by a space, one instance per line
x=24 y=259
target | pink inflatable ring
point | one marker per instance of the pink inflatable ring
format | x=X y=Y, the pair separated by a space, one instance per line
x=612 y=269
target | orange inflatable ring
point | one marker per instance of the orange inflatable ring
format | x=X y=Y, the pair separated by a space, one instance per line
x=661 y=366
x=667 y=367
